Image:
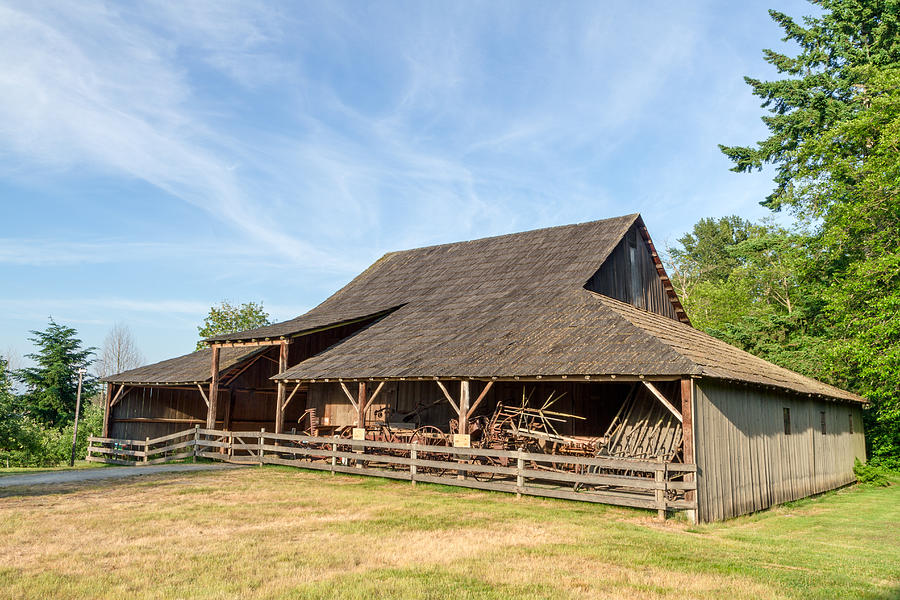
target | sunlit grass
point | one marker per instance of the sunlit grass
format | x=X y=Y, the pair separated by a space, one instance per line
x=276 y=532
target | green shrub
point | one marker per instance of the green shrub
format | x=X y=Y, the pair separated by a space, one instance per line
x=872 y=473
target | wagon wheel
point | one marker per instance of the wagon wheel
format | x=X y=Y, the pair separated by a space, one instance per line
x=487 y=461
x=428 y=435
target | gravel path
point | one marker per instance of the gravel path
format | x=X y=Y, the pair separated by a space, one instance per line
x=78 y=475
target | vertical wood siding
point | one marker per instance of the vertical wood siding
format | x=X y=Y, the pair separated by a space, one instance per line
x=630 y=275
x=746 y=462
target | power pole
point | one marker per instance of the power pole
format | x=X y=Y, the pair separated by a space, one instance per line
x=81 y=373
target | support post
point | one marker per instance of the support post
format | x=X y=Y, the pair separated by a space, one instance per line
x=520 y=479
x=196 y=442
x=109 y=389
x=687 y=444
x=361 y=405
x=333 y=457
x=660 y=492
x=146 y=449
x=259 y=452
x=464 y=406
x=213 y=390
x=280 y=396
x=413 y=455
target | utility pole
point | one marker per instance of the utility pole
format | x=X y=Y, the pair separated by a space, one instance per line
x=81 y=373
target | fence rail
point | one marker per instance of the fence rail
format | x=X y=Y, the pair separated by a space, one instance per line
x=638 y=483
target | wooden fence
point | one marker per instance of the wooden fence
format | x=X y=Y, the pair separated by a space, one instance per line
x=625 y=482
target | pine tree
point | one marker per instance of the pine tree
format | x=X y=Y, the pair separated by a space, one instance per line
x=824 y=87
x=52 y=383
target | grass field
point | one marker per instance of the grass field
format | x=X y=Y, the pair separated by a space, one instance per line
x=270 y=532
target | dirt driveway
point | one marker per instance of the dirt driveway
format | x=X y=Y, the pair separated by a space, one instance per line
x=79 y=475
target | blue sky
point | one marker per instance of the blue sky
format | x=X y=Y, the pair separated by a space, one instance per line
x=159 y=157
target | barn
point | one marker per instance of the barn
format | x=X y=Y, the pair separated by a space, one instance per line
x=569 y=340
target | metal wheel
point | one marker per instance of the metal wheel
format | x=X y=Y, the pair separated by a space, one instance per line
x=428 y=435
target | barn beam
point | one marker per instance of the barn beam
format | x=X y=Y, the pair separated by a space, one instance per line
x=478 y=400
x=349 y=396
x=687 y=443
x=203 y=395
x=448 y=396
x=119 y=395
x=281 y=387
x=464 y=406
x=361 y=405
x=109 y=389
x=213 y=390
x=663 y=400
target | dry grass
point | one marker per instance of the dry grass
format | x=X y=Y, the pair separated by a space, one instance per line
x=282 y=533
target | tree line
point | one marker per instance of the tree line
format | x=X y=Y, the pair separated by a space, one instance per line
x=822 y=295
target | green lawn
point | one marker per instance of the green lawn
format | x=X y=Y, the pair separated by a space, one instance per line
x=270 y=532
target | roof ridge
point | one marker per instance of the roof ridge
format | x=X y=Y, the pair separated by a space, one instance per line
x=632 y=217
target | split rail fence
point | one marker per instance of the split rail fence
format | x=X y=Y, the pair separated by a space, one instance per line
x=662 y=486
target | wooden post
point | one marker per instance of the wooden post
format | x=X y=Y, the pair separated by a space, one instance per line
x=687 y=445
x=109 y=389
x=333 y=457
x=361 y=405
x=146 y=449
x=413 y=455
x=660 y=492
x=520 y=479
x=259 y=452
x=281 y=386
x=464 y=406
x=463 y=415
x=196 y=442
x=213 y=390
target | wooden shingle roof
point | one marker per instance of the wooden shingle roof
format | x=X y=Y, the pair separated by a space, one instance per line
x=527 y=263
x=188 y=369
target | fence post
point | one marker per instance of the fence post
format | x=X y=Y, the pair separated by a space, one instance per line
x=333 y=457
x=660 y=489
x=146 y=449
x=262 y=433
x=413 y=456
x=520 y=479
x=196 y=442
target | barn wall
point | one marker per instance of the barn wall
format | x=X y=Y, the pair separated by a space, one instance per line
x=144 y=412
x=630 y=275
x=746 y=462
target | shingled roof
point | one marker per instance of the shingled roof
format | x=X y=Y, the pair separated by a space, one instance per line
x=517 y=264
x=188 y=369
x=515 y=306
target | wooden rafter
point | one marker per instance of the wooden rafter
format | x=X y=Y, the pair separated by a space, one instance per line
x=202 y=393
x=448 y=396
x=350 y=396
x=375 y=394
x=291 y=396
x=244 y=368
x=478 y=400
x=119 y=395
x=663 y=400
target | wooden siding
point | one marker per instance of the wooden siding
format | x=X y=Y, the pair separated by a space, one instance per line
x=746 y=463
x=630 y=275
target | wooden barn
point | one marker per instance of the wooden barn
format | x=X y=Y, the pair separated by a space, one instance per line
x=571 y=340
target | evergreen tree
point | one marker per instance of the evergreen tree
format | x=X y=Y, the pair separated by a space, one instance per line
x=834 y=127
x=51 y=385
x=226 y=318
x=824 y=87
